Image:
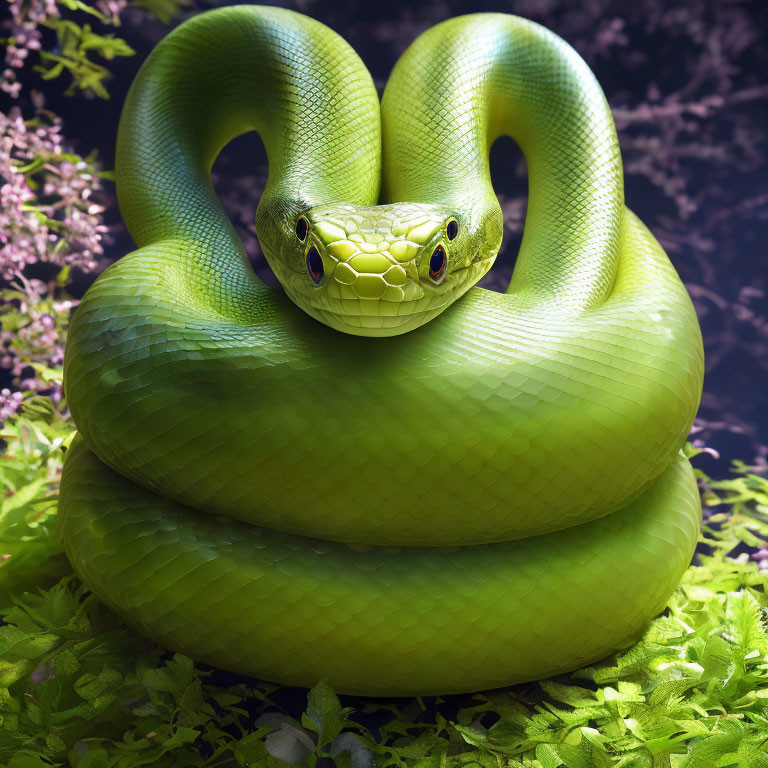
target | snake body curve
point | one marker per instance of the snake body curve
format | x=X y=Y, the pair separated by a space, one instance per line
x=493 y=497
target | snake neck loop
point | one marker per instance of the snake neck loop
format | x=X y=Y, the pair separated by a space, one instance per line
x=496 y=422
x=468 y=81
x=188 y=101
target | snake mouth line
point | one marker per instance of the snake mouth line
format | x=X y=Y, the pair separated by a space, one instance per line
x=404 y=317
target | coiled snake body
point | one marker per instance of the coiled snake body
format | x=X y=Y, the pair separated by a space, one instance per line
x=495 y=497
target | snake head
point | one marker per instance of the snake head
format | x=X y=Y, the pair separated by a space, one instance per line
x=380 y=270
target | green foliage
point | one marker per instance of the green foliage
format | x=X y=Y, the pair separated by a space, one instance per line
x=78 y=688
x=30 y=553
x=165 y=10
x=76 y=45
x=80 y=48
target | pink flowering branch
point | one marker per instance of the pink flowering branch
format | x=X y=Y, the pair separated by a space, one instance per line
x=47 y=208
x=50 y=209
x=48 y=214
x=24 y=25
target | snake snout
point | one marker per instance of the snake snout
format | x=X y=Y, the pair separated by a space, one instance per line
x=372 y=276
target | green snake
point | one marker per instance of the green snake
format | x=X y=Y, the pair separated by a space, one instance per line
x=492 y=490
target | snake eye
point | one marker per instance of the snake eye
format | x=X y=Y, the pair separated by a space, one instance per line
x=438 y=264
x=301 y=228
x=452 y=229
x=314 y=265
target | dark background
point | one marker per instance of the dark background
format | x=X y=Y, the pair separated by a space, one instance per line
x=688 y=88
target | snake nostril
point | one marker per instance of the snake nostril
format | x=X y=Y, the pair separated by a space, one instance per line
x=315 y=265
x=452 y=229
x=301 y=228
x=438 y=263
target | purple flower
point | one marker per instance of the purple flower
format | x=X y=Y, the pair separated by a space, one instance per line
x=10 y=402
x=47 y=212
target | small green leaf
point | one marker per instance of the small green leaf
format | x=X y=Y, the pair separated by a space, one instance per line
x=27 y=761
x=324 y=714
x=181 y=736
x=94 y=758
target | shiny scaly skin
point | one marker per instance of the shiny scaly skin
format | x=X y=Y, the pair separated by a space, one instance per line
x=384 y=621
x=265 y=493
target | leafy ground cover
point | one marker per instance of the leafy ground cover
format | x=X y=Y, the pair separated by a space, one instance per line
x=78 y=688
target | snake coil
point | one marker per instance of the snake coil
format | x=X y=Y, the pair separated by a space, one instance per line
x=495 y=497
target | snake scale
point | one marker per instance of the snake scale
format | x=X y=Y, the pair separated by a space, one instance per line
x=491 y=490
